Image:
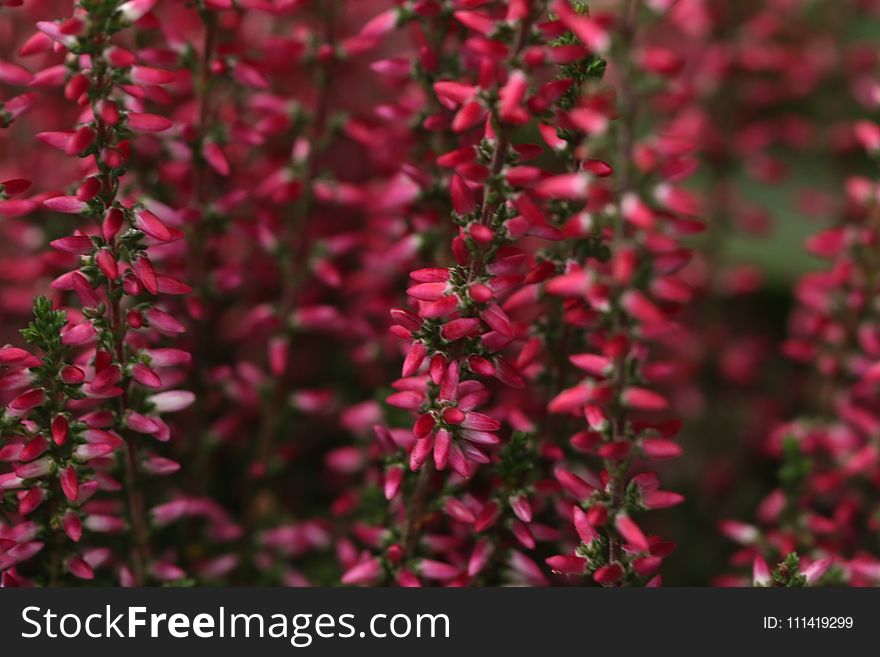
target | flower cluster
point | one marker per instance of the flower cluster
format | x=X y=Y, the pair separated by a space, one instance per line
x=436 y=292
x=556 y=268
x=91 y=409
x=817 y=524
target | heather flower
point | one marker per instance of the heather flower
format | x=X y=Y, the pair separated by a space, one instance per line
x=427 y=293
x=808 y=529
x=466 y=342
x=93 y=366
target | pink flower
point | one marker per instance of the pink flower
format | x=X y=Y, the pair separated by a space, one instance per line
x=28 y=400
x=134 y=10
x=761 y=572
x=365 y=572
x=567 y=564
x=14 y=74
x=66 y=204
x=172 y=401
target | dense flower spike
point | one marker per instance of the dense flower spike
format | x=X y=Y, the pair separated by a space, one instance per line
x=626 y=295
x=70 y=421
x=531 y=283
x=815 y=527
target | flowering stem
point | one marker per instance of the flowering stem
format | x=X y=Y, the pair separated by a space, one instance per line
x=502 y=144
x=416 y=504
x=624 y=172
x=198 y=242
x=137 y=510
x=293 y=262
x=415 y=511
x=136 y=507
x=117 y=333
